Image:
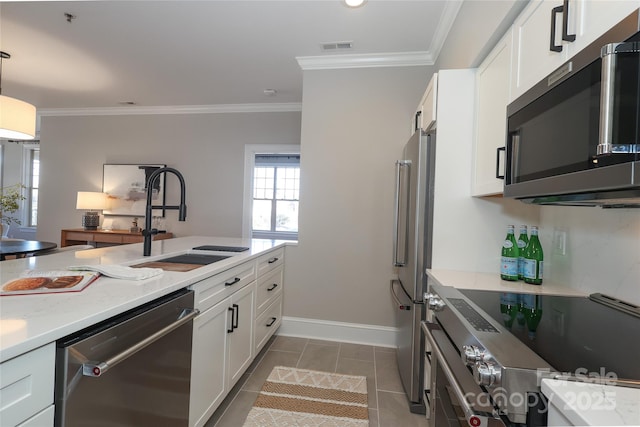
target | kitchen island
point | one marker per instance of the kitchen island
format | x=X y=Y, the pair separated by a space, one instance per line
x=30 y=324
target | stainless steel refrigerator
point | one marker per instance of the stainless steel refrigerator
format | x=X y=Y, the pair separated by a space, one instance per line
x=413 y=229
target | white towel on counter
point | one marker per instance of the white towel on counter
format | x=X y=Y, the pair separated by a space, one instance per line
x=120 y=271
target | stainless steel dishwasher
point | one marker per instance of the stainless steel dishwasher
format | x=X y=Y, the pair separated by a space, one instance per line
x=130 y=370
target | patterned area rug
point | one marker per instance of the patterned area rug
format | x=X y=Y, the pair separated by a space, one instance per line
x=300 y=397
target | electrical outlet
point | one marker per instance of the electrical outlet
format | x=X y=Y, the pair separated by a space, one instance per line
x=560 y=242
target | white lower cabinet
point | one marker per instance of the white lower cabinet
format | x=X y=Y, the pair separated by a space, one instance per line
x=26 y=388
x=42 y=419
x=267 y=323
x=208 y=363
x=235 y=321
x=240 y=334
x=222 y=350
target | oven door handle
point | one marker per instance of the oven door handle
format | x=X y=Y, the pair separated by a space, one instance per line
x=95 y=369
x=480 y=412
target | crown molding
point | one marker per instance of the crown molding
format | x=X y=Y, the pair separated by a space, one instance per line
x=448 y=17
x=173 y=109
x=402 y=59
x=366 y=60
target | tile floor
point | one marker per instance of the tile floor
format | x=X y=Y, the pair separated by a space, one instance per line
x=387 y=402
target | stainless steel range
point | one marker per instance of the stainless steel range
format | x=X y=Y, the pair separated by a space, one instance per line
x=488 y=351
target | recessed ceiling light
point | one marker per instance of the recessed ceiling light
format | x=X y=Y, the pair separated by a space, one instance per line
x=354 y=3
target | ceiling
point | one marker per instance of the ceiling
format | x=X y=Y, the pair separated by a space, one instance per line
x=202 y=53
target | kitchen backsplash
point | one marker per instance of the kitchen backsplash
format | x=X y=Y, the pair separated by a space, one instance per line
x=602 y=249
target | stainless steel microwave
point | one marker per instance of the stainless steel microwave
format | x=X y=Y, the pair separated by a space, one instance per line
x=574 y=138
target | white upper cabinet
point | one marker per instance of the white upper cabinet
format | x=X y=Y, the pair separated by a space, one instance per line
x=549 y=32
x=492 y=97
x=427 y=107
x=588 y=19
x=533 y=58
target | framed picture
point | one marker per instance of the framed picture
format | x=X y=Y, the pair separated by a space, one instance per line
x=125 y=186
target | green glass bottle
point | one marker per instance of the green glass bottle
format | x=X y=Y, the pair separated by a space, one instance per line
x=508 y=308
x=532 y=313
x=533 y=259
x=509 y=256
x=523 y=239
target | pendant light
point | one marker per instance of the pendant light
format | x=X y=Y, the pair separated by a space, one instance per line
x=17 y=118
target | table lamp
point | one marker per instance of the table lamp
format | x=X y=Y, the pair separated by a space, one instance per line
x=93 y=202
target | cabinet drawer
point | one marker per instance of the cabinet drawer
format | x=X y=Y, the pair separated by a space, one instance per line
x=133 y=239
x=213 y=289
x=87 y=237
x=107 y=238
x=26 y=385
x=267 y=323
x=270 y=261
x=43 y=419
x=269 y=287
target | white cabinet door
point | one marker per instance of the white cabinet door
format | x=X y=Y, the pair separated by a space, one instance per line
x=491 y=119
x=427 y=107
x=42 y=419
x=532 y=57
x=26 y=385
x=240 y=334
x=208 y=362
x=589 y=19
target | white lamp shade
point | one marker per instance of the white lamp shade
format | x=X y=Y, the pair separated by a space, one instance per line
x=17 y=119
x=354 y=3
x=91 y=200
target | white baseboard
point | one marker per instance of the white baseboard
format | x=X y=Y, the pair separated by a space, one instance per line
x=381 y=336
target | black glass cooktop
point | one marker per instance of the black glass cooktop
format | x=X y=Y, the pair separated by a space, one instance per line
x=570 y=333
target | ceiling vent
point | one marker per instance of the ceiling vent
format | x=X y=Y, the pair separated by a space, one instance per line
x=336 y=46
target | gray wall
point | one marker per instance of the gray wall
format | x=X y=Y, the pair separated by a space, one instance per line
x=354 y=126
x=207 y=148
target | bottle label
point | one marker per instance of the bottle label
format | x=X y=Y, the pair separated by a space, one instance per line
x=509 y=266
x=521 y=266
x=508 y=244
x=532 y=269
x=521 y=244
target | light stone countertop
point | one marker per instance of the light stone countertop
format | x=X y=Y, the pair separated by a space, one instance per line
x=492 y=282
x=30 y=321
x=590 y=404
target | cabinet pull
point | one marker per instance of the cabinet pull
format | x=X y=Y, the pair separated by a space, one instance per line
x=416 y=124
x=565 y=24
x=498 y=150
x=232 y=310
x=233 y=282
x=237 y=313
x=552 y=45
x=275 y=285
x=270 y=324
x=272 y=260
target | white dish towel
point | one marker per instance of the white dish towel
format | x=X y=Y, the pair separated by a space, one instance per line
x=120 y=271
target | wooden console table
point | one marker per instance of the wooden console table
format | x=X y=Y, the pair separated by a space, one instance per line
x=80 y=236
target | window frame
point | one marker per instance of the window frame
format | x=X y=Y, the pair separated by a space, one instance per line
x=251 y=150
x=27 y=179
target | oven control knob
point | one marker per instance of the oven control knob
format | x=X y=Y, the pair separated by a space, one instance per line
x=472 y=354
x=435 y=303
x=487 y=374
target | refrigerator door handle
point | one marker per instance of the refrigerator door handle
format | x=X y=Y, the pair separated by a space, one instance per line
x=404 y=291
x=401 y=306
x=401 y=219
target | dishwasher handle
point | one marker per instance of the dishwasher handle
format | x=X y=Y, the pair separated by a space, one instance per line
x=96 y=369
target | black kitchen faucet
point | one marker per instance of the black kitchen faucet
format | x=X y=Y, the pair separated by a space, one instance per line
x=148 y=232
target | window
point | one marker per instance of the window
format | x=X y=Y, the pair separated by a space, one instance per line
x=32 y=182
x=274 y=192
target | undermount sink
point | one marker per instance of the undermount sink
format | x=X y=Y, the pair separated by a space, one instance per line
x=184 y=262
x=199 y=259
